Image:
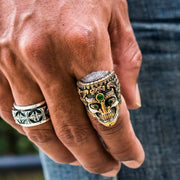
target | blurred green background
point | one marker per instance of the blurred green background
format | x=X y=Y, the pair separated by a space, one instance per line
x=13 y=143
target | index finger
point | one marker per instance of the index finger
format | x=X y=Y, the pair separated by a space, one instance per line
x=127 y=57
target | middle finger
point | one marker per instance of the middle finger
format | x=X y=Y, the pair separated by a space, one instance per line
x=26 y=92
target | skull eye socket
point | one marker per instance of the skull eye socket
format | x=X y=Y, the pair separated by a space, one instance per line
x=110 y=101
x=95 y=106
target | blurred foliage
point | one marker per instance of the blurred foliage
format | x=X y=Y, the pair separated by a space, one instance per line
x=18 y=176
x=12 y=142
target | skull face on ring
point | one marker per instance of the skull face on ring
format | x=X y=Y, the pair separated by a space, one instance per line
x=102 y=99
x=104 y=106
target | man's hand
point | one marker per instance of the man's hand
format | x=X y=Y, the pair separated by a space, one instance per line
x=45 y=47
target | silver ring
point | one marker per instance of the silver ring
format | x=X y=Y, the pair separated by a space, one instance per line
x=31 y=115
x=100 y=92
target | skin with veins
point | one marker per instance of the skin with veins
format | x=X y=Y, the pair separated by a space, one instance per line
x=12 y=20
x=39 y=32
x=45 y=47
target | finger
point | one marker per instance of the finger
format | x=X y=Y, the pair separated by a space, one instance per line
x=101 y=95
x=6 y=103
x=68 y=116
x=75 y=163
x=137 y=156
x=111 y=174
x=74 y=130
x=126 y=54
x=27 y=92
x=121 y=140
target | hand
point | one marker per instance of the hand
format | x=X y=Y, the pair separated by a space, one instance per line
x=45 y=47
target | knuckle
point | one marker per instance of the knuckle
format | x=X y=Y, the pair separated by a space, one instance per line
x=133 y=56
x=123 y=155
x=96 y=168
x=126 y=153
x=38 y=49
x=130 y=50
x=131 y=156
x=137 y=60
x=39 y=135
x=8 y=60
x=96 y=164
x=73 y=135
x=34 y=46
x=81 y=36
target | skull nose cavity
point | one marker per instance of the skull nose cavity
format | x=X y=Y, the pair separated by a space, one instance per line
x=104 y=109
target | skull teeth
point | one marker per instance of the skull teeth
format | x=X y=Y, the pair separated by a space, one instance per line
x=107 y=116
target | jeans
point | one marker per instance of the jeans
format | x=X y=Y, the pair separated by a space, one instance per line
x=157 y=123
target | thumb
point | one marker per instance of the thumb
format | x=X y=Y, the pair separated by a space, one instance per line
x=126 y=54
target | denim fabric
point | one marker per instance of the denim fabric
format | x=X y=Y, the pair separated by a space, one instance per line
x=154 y=10
x=157 y=124
x=54 y=171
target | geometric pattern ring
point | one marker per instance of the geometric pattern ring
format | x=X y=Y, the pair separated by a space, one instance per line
x=31 y=115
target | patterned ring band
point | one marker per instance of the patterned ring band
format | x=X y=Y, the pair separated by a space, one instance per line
x=100 y=93
x=31 y=115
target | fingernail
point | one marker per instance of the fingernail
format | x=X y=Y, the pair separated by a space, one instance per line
x=138 y=98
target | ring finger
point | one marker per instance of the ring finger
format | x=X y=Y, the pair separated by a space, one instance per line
x=26 y=92
x=100 y=92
